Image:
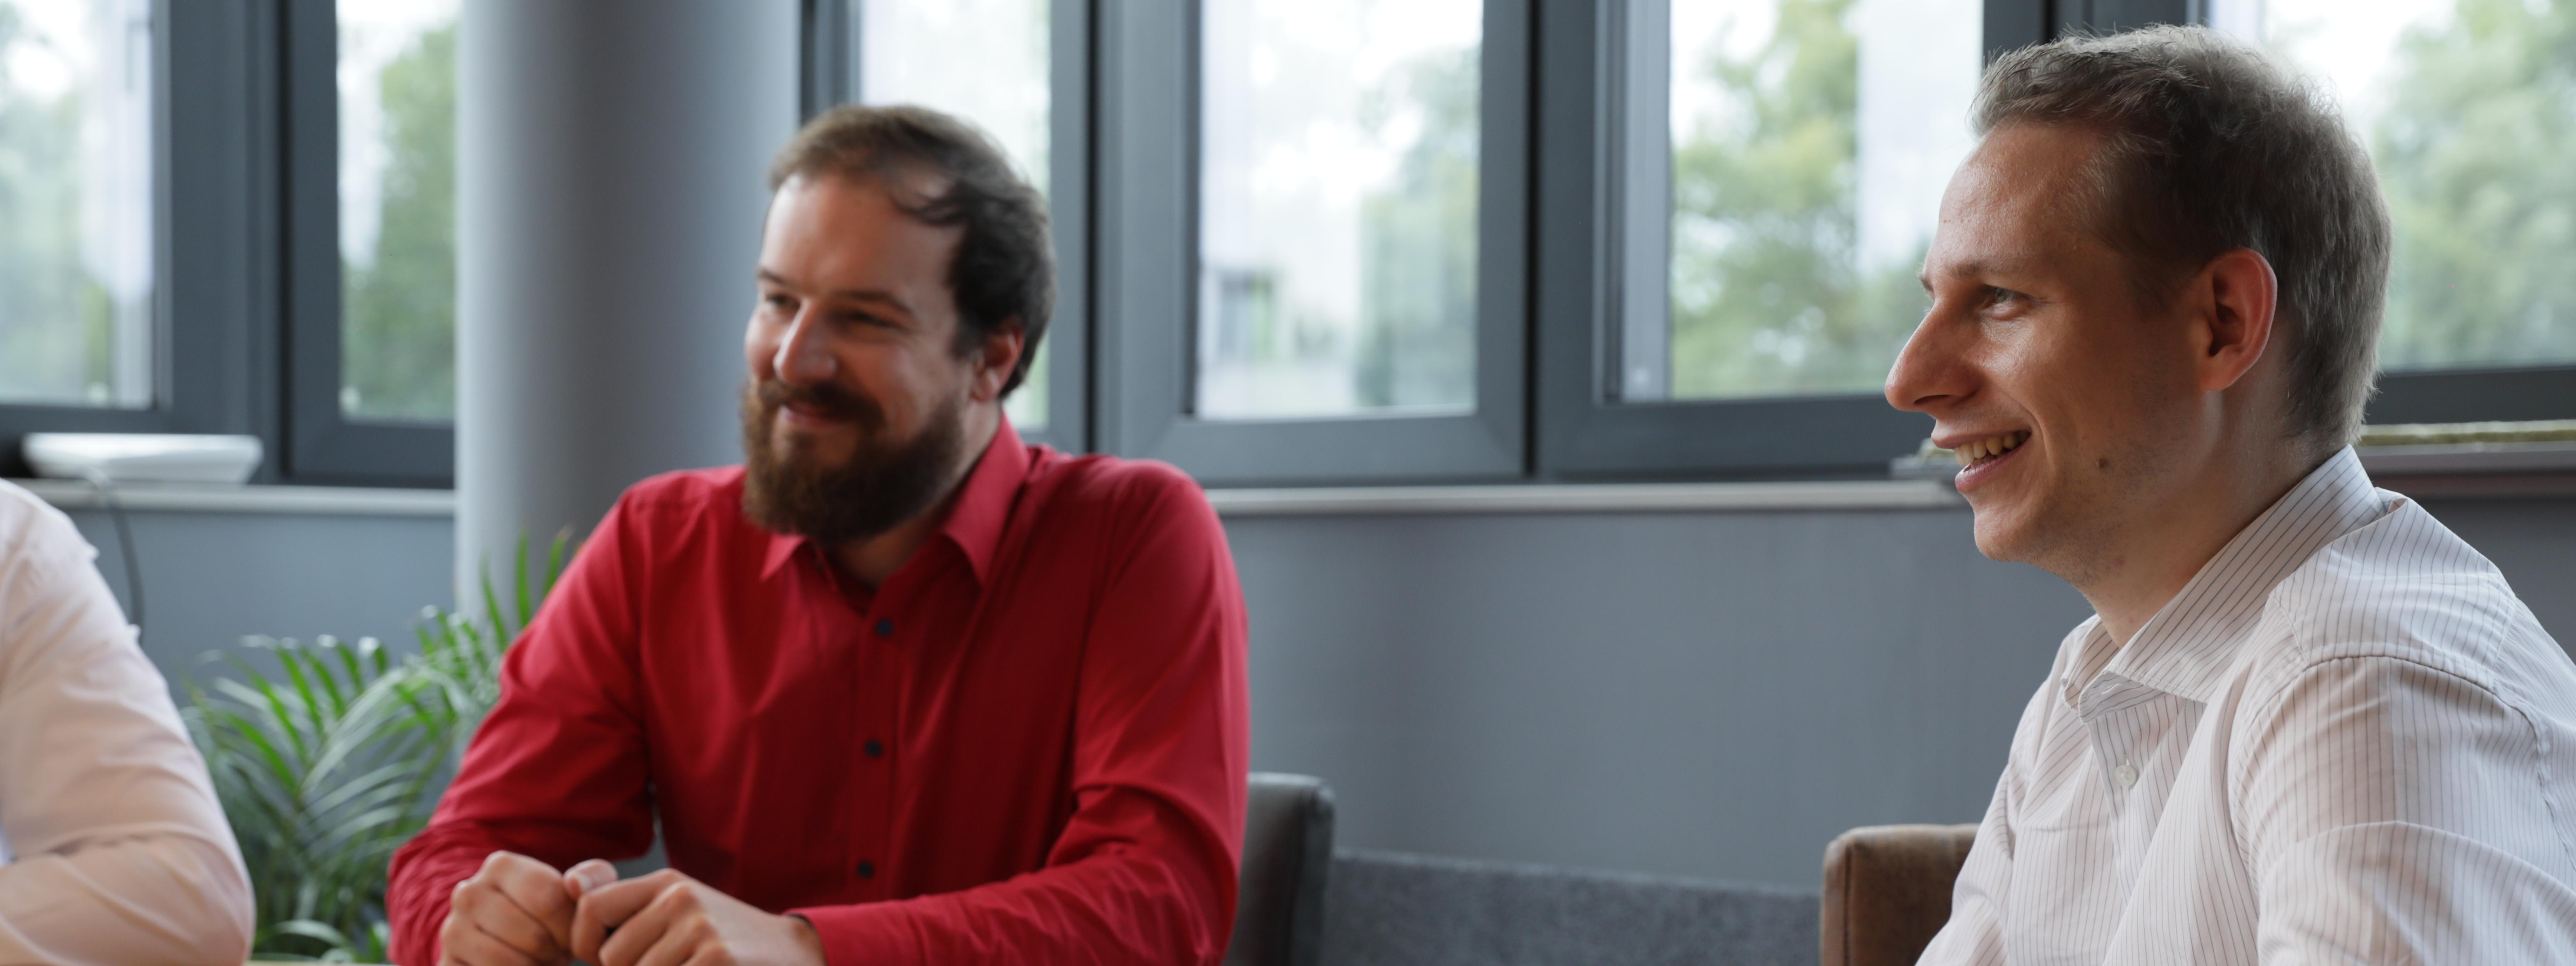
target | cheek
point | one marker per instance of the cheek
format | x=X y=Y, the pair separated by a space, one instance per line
x=760 y=348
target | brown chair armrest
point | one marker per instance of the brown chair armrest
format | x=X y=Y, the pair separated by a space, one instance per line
x=1887 y=891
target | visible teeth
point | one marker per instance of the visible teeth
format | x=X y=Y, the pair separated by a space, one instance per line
x=1978 y=450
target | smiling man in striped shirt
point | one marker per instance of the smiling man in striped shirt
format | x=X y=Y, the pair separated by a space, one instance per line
x=2308 y=724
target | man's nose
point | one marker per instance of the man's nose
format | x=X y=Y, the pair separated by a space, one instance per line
x=1929 y=371
x=804 y=354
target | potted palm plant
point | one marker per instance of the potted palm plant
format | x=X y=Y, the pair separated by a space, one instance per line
x=328 y=756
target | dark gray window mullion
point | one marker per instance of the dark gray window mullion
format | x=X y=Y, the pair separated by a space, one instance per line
x=324 y=445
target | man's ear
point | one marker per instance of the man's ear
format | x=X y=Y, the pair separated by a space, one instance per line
x=2237 y=304
x=997 y=357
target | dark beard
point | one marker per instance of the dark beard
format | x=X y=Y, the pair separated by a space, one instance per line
x=881 y=484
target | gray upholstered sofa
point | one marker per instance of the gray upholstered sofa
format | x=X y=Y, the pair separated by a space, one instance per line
x=1393 y=909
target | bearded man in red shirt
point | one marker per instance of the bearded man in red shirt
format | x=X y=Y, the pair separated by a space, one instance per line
x=901 y=689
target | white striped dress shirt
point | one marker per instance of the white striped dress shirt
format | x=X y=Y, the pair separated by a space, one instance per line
x=2344 y=741
x=115 y=850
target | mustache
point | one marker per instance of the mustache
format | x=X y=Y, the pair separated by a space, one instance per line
x=824 y=398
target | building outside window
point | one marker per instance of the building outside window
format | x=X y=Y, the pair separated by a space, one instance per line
x=1337 y=215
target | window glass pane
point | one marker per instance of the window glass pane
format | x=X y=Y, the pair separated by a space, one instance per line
x=2469 y=109
x=398 y=209
x=76 y=202
x=982 y=60
x=1337 y=213
x=1810 y=142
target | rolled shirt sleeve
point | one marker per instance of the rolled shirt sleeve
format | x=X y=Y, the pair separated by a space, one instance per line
x=120 y=853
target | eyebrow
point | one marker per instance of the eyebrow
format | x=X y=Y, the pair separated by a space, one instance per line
x=1975 y=269
x=887 y=299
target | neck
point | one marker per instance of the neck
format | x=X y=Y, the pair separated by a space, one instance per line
x=2162 y=545
x=876 y=558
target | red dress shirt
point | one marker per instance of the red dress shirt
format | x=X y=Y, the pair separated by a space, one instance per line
x=1027 y=746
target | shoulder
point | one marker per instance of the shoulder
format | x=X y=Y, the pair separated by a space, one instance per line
x=1124 y=509
x=682 y=502
x=2404 y=603
x=34 y=533
x=1131 y=490
x=686 y=491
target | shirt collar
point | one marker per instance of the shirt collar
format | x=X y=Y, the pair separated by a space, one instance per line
x=2186 y=647
x=975 y=515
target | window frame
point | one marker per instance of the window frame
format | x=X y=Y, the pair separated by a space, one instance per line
x=214 y=261
x=1148 y=267
x=322 y=444
x=831 y=76
x=247 y=315
x=1583 y=228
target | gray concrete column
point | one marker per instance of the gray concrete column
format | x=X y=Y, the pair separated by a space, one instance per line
x=609 y=193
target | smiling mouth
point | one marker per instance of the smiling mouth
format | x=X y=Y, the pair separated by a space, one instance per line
x=1976 y=451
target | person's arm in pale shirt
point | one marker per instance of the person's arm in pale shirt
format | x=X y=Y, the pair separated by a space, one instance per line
x=118 y=850
x=2398 y=813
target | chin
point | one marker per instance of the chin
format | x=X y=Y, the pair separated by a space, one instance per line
x=2002 y=534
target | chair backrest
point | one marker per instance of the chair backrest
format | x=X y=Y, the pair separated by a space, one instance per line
x=1887 y=891
x=1394 y=909
x=1287 y=857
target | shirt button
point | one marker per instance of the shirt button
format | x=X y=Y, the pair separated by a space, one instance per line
x=867 y=870
x=876 y=749
x=2128 y=776
x=885 y=628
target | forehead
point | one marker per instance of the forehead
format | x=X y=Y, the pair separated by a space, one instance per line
x=2027 y=191
x=832 y=226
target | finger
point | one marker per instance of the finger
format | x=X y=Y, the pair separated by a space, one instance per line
x=678 y=945
x=539 y=890
x=468 y=946
x=589 y=875
x=484 y=909
x=609 y=907
x=648 y=928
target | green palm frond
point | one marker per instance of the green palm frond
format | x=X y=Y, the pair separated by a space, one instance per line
x=328 y=756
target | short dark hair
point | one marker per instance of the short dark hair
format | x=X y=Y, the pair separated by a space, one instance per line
x=1004 y=267
x=2210 y=147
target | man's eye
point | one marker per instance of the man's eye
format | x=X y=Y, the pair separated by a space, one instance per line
x=1999 y=298
x=778 y=303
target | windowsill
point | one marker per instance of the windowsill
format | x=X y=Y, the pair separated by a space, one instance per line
x=2469 y=470
x=2475 y=470
x=209 y=498
x=1588 y=498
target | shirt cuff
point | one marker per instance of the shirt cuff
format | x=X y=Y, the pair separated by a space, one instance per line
x=867 y=934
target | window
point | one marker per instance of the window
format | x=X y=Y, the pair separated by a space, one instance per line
x=2469 y=111
x=1018 y=69
x=1774 y=172
x=1809 y=144
x=1337 y=208
x=77 y=255
x=370 y=240
x=2467 y=108
x=1313 y=229
x=986 y=61
x=397 y=226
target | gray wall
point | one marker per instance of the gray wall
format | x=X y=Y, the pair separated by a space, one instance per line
x=211 y=578
x=1708 y=694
